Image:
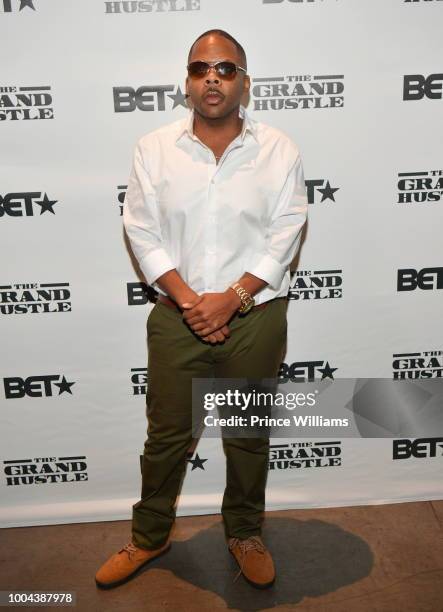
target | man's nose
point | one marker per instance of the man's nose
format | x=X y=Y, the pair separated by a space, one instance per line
x=212 y=76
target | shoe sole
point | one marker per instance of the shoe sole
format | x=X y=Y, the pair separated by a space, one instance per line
x=111 y=585
x=257 y=585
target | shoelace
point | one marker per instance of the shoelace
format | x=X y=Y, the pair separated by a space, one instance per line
x=129 y=548
x=252 y=543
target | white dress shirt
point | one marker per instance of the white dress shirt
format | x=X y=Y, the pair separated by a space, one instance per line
x=214 y=222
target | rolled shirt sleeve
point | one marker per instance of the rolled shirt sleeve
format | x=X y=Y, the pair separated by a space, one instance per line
x=284 y=232
x=142 y=225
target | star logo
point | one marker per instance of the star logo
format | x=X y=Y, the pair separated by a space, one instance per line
x=64 y=386
x=46 y=204
x=327 y=371
x=179 y=98
x=26 y=3
x=197 y=462
x=328 y=192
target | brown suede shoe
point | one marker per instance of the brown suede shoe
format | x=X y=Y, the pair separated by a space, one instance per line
x=254 y=560
x=125 y=564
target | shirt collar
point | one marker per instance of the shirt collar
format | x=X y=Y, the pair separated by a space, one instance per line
x=187 y=126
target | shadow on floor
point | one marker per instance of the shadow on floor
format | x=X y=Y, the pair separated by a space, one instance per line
x=312 y=558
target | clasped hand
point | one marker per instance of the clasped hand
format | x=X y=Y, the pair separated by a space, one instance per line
x=208 y=314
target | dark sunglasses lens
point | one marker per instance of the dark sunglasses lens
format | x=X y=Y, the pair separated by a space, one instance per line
x=227 y=70
x=197 y=69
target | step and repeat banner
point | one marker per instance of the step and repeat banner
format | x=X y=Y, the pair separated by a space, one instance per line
x=358 y=85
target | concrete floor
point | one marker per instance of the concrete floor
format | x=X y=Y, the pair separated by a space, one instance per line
x=385 y=558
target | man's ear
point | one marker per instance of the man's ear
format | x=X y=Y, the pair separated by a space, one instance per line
x=247 y=83
x=187 y=86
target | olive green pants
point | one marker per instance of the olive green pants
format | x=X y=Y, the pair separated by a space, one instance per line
x=255 y=349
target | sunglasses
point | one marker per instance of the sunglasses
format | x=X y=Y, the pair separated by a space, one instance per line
x=225 y=70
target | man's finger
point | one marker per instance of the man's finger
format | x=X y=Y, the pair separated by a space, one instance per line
x=200 y=326
x=204 y=332
x=214 y=337
x=210 y=338
x=223 y=333
x=190 y=319
x=225 y=330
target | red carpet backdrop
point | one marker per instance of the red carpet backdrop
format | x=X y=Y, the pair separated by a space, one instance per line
x=358 y=85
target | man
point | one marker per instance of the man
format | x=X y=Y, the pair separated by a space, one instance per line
x=214 y=211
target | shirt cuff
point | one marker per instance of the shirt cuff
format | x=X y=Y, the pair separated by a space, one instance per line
x=155 y=264
x=269 y=270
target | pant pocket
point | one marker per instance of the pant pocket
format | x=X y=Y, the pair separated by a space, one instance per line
x=150 y=317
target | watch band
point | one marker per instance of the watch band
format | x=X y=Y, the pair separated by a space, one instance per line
x=247 y=301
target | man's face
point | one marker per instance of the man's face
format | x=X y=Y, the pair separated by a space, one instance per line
x=226 y=95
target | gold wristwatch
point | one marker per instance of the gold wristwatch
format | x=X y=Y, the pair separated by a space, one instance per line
x=247 y=301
